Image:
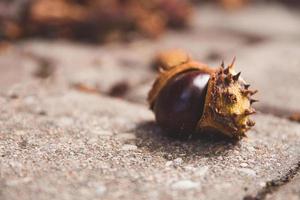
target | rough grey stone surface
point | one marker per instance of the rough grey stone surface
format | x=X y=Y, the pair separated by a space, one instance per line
x=88 y=146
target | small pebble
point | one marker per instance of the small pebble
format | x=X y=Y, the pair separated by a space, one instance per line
x=29 y=100
x=236 y=152
x=178 y=161
x=201 y=171
x=251 y=148
x=262 y=184
x=129 y=147
x=169 y=163
x=189 y=168
x=243 y=164
x=20 y=132
x=100 y=189
x=185 y=185
x=247 y=171
x=102 y=133
x=220 y=158
x=65 y=121
x=126 y=136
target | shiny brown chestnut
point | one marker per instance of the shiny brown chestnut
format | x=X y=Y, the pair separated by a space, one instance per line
x=180 y=104
x=189 y=97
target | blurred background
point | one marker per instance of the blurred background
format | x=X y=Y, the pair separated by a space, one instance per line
x=108 y=46
x=107 y=20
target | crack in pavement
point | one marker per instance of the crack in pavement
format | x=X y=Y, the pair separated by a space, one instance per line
x=274 y=185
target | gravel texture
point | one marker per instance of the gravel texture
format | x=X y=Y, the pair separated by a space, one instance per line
x=71 y=145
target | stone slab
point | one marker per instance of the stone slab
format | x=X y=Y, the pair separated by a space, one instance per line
x=289 y=191
x=89 y=146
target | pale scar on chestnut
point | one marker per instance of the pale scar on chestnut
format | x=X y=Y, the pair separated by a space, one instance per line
x=191 y=97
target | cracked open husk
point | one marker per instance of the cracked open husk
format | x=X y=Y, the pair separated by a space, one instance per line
x=227 y=105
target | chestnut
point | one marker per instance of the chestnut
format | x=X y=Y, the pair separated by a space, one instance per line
x=180 y=104
x=189 y=97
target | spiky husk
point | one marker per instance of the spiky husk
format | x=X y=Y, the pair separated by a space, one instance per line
x=227 y=104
